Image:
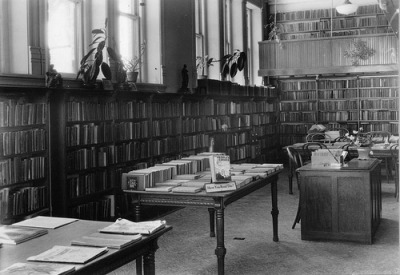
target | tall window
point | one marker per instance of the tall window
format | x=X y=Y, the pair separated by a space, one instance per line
x=249 y=19
x=129 y=40
x=63 y=34
x=199 y=28
x=228 y=26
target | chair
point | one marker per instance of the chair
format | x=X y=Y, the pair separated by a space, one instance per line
x=295 y=161
x=395 y=166
x=318 y=137
x=382 y=137
x=379 y=136
x=309 y=147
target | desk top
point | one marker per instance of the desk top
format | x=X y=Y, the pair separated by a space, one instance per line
x=354 y=164
x=10 y=254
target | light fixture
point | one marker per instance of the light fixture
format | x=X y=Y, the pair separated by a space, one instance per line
x=347 y=8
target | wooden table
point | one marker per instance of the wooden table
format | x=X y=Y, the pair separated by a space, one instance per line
x=215 y=202
x=114 y=258
x=341 y=203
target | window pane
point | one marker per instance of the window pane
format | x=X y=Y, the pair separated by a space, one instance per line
x=62 y=35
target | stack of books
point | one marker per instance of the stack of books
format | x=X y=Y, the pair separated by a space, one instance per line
x=10 y=234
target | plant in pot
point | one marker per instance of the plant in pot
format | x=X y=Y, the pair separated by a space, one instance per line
x=203 y=62
x=132 y=66
x=232 y=63
x=92 y=63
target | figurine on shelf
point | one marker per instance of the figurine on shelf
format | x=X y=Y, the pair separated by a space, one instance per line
x=54 y=79
x=185 y=80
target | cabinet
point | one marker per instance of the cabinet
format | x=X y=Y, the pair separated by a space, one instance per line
x=24 y=154
x=341 y=203
x=351 y=102
x=327 y=22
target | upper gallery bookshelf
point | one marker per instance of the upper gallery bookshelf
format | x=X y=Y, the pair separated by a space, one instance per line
x=327 y=22
x=370 y=102
x=24 y=177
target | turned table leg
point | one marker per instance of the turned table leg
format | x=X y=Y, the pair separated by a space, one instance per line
x=275 y=211
x=211 y=212
x=149 y=260
x=220 y=251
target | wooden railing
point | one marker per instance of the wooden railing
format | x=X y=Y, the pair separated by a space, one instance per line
x=326 y=55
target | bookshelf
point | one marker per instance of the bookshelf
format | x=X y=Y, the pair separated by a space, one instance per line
x=24 y=154
x=351 y=102
x=319 y=23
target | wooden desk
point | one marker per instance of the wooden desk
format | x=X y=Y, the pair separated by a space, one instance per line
x=341 y=203
x=113 y=259
x=215 y=202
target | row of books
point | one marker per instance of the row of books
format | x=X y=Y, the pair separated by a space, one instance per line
x=90 y=183
x=15 y=113
x=22 y=201
x=379 y=104
x=379 y=115
x=90 y=133
x=20 y=169
x=168 y=145
x=298 y=95
x=166 y=109
x=298 y=106
x=320 y=13
x=98 y=210
x=21 y=142
x=195 y=142
x=89 y=110
x=166 y=127
x=298 y=116
x=335 y=32
x=338 y=105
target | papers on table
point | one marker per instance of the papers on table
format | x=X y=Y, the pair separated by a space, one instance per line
x=45 y=222
x=123 y=226
x=107 y=240
x=38 y=269
x=69 y=254
x=10 y=234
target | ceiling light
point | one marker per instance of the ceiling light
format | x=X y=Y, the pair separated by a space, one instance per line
x=347 y=8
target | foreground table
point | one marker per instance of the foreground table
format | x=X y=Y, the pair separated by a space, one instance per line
x=216 y=203
x=104 y=264
x=341 y=203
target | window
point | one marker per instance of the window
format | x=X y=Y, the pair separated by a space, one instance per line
x=129 y=40
x=228 y=26
x=63 y=34
x=249 y=25
x=199 y=29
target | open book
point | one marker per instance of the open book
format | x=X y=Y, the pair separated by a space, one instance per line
x=123 y=226
x=69 y=254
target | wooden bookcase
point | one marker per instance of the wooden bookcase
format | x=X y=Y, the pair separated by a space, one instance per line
x=24 y=154
x=370 y=102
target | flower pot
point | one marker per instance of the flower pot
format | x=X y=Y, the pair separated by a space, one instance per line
x=132 y=76
x=363 y=153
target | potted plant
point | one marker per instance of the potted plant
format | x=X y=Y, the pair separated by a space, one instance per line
x=132 y=66
x=232 y=63
x=203 y=62
x=92 y=62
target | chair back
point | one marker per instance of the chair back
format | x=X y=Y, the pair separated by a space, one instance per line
x=294 y=157
x=309 y=147
x=318 y=137
x=379 y=136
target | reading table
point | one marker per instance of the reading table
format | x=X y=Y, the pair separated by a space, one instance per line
x=114 y=258
x=216 y=203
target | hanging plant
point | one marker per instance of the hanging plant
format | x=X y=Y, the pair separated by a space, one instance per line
x=275 y=31
x=360 y=51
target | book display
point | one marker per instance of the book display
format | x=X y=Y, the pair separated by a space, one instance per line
x=24 y=178
x=115 y=241
x=126 y=227
x=10 y=234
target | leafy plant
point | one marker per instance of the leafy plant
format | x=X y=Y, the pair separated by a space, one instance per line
x=92 y=62
x=359 y=52
x=232 y=63
x=275 y=31
x=134 y=64
x=204 y=62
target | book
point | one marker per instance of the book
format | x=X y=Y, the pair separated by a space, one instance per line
x=107 y=240
x=38 y=269
x=69 y=254
x=10 y=234
x=242 y=180
x=172 y=182
x=220 y=187
x=200 y=183
x=123 y=226
x=45 y=222
x=220 y=168
x=159 y=189
x=186 y=189
x=187 y=177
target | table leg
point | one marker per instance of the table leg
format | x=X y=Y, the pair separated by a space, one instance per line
x=149 y=260
x=139 y=264
x=211 y=212
x=290 y=178
x=220 y=251
x=275 y=211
